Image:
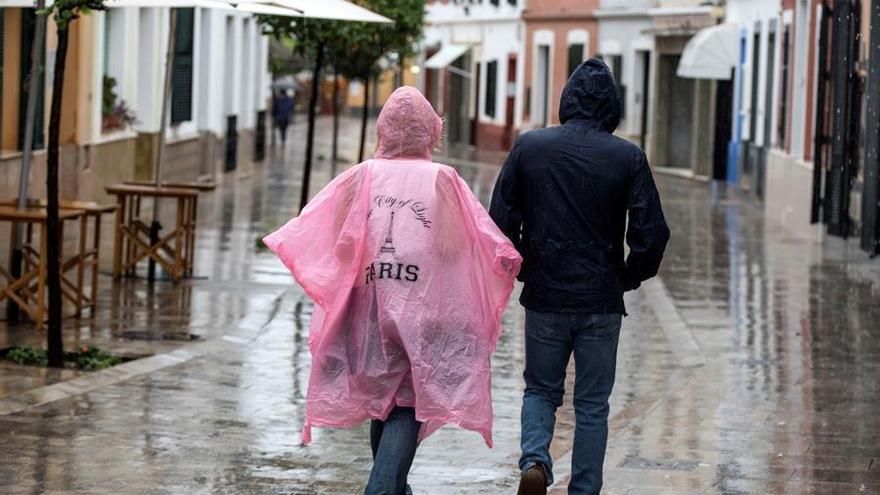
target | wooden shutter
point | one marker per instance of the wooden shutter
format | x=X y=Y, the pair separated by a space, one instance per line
x=575 y=57
x=491 y=87
x=28 y=31
x=182 y=68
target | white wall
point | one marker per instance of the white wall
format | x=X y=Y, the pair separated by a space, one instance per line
x=625 y=36
x=800 y=74
x=137 y=47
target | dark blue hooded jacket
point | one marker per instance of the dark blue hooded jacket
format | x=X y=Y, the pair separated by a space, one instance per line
x=563 y=198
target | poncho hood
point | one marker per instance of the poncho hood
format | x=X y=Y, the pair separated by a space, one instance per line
x=591 y=95
x=408 y=126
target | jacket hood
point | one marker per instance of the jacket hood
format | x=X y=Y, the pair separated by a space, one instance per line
x=408 y=126
x=591 y=95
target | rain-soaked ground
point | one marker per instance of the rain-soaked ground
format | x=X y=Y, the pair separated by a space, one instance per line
x=752 y=365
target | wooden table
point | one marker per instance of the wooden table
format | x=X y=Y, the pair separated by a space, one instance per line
x=90 y=255
x=29 y=289
x=180 y=184
x=192 y=214
x=173 y=251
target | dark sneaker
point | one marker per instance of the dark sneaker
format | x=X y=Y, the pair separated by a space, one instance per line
x=533 y=481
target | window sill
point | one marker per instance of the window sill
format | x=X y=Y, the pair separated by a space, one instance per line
x=15 y=154
x=113 y=136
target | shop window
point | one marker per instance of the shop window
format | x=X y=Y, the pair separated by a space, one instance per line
x=491 y=87
x=182 y=70
x=116 y=114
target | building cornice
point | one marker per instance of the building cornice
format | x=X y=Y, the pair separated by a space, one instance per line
x=559 y=15
x=622 y=13
x=681 y=11
x=472 y=20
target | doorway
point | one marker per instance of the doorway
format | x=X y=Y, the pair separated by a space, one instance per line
x=510 y=103
x=679 y=93
x=723 y=127
x=459 y=123
x=642 y=79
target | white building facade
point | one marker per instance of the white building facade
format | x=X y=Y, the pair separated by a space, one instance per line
x=218 y=101
x=626 y=44
x=471 y=69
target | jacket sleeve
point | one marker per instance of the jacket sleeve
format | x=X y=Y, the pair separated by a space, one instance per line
x=506 y=207
x=647 y=232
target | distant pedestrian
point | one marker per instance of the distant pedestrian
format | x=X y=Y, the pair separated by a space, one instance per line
x=282 y=113
x=563 y=197
x=409 y=276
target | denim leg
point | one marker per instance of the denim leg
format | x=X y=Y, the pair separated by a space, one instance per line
x=595 y=356
x=548 y=349
x=394 y=443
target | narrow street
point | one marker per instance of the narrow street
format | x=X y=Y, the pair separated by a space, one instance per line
x=750 y=366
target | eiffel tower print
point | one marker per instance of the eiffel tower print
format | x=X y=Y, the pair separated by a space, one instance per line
x=388 y=247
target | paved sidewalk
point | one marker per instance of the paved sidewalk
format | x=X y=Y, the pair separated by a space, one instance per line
x=752 y=365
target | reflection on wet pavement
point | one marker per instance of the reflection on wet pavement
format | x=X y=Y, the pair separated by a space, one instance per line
x=781 y=399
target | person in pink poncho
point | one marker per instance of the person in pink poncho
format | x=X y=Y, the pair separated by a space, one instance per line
x=409 y=276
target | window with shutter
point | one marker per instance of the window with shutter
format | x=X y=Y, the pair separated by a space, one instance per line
x=575 y=56
x=182 y=68
x=491 y=87
x=28 y=32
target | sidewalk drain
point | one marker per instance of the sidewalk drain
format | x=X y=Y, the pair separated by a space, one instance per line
x=673 y=465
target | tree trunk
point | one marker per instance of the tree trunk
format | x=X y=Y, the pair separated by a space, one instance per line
x=53 y=241
x=334 y=155
x=364 y=116
x=310 y=136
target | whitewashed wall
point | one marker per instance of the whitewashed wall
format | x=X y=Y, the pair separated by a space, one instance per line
x=495 y=33
x=625 y=32
x=230 y=69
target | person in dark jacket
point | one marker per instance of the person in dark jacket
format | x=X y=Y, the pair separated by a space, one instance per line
x=282 y=113
x=563 y=198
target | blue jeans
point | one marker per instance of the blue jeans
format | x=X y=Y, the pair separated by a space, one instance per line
x=394 y=442
x=550 y=340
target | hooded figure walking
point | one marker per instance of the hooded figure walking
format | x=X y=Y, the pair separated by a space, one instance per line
x=563 y=197
x=409 y=276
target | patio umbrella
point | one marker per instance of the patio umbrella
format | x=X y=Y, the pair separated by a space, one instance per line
x=340 y=10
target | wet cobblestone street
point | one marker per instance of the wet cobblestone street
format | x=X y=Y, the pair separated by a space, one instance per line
x=750 y=366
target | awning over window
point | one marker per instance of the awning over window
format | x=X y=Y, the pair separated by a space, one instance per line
x=710 y=54
x=446 y=55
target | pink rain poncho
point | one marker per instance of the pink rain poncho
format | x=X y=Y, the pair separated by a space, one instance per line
x=409 y=276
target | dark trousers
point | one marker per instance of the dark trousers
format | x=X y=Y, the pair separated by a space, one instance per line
x=551 y=339
x=282 y=124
